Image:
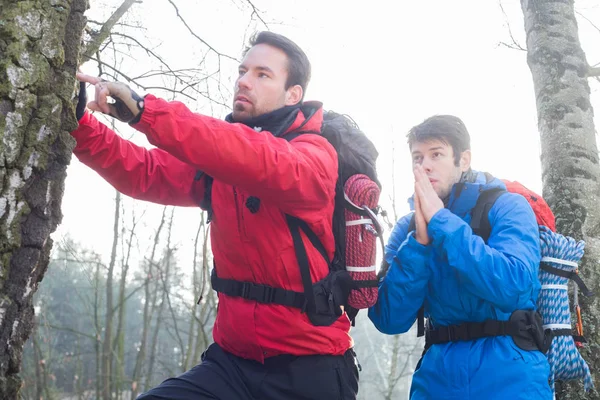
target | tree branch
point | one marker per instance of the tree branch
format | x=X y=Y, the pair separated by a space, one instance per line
x=198 y=37
x=71 y=330
x=593 y=72
x=146 y=88
x=257 y=12
x=588 y=20
x=104 y=32
x=514 y=45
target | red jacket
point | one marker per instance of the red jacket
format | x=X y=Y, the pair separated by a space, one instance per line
x=297 y=178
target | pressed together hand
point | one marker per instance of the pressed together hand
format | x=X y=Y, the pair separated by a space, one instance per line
x=427 y=203
x=127 y=106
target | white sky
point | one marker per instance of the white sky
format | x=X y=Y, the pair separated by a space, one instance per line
x=388 y=64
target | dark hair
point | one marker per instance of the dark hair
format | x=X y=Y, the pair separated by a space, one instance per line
x=298 y=64
x=445 y=128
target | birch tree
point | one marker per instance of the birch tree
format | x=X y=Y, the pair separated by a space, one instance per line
x=39 y=54
x=569 y=153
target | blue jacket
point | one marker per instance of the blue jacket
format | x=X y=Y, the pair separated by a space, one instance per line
x=459 y=278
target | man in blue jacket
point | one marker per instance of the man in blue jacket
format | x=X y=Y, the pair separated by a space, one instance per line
x=477 y=294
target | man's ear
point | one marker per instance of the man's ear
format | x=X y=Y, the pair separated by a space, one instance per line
x=465 y=160
x=293 y=95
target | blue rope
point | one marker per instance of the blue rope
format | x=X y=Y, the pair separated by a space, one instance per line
x=553 y=304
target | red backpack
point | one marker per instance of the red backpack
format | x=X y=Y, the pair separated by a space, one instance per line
x=559 y=264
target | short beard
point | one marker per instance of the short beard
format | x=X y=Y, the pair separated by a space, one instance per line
x=240 y=109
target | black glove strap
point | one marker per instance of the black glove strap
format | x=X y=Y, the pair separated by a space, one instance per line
x=82 y=101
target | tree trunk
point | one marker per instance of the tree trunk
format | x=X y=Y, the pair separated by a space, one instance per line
x=98 y=329
x=570 y=169
x=197 y=289
x=108 y=326
x=119 y=345
x=392 y=376
x=37 y=359
x=39 y=46
x=141 y=355
x=159 y=320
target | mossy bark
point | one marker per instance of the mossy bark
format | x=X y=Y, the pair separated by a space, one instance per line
x=39 y=55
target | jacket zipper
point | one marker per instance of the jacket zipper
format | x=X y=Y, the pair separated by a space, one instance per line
x=238 y=213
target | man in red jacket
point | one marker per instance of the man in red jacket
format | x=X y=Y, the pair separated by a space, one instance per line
x=265 y=346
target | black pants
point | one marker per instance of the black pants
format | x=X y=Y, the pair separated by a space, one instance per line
x=223 y=376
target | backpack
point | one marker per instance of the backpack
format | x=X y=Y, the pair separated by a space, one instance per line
x=558 y=265
x=351 y=284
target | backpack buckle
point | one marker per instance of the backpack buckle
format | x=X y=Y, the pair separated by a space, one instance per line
x=375 y=222
x=246 y=289
x=268 y=293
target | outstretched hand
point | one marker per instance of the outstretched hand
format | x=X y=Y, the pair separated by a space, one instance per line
x=127 y=106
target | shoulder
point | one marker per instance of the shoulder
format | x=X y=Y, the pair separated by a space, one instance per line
x=512 y=206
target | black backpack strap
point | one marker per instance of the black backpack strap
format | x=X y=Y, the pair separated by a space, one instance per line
x=574 y=276
x=421 y=321
x=412 y=225
x=314 y=239
x=295 y=225
x=268 y=294
x=260 y=293
x=524 y=326
x=480 y=223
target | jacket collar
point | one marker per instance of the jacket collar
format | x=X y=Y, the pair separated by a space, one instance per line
x=306 y=116
x=465 y=193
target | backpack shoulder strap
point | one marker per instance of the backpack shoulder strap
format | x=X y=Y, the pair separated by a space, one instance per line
x=480 y=223
x=412 y=225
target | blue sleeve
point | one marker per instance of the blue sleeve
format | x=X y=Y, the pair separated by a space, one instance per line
x=402 y=291
x=503 y=271
x=396 y=238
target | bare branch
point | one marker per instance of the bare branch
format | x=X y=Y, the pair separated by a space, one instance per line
x=198 y=37
x=594 y=72
x=257 y=12
x=71 y=330
x=149 y=52
x=104 y=32
x=146 y=88
x=514 y=45
x=588 y=20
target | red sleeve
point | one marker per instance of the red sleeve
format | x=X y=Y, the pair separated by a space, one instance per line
x=297 y=176
x=152 y=175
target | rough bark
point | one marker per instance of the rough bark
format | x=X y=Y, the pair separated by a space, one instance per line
x=569 y=157
x=39 y=47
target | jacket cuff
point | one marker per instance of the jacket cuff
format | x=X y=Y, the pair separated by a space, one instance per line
x=147 y=115
x=86 y=123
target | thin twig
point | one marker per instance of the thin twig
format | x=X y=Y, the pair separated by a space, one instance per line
x=514 y=45
x=257 y=12
x=198 y=37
